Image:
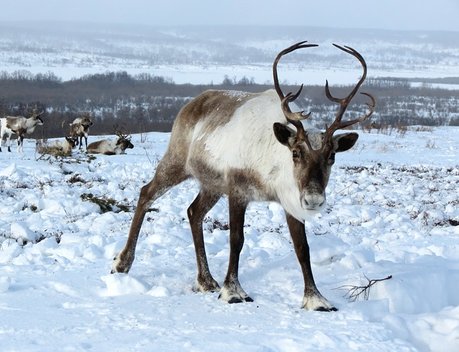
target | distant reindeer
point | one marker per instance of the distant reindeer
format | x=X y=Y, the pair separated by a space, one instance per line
x=20 y=126
x=58 y=147
x=241 y=145
x=79 y=129
x=110 y=147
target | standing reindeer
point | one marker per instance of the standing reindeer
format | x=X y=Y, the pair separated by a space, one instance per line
x=241 y=145
x=79 y=129
x=20 y=126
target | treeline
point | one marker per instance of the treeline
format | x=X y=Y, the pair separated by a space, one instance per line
x=141 y=103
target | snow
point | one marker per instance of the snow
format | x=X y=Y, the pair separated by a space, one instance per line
x=392 y=210
x=206 y=55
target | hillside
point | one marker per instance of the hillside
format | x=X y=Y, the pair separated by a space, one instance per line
x=202 y=55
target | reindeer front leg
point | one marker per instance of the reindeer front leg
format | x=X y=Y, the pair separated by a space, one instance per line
x=313 y=299
x=167 y=175
x=123 y=261
x=20 y=143
x=232 y=291
x=8 y=143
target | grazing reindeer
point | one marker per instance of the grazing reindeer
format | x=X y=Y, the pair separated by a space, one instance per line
x=20 y=126
x=79 y=129
x=240 y=145
x=110 y=147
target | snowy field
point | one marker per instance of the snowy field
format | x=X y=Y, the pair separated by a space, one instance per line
x=393 y=210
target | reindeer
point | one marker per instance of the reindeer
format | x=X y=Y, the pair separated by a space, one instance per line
x=79 y=129
x=110 y=147
x=243 y=145
x=57 y=147
x=20 y=126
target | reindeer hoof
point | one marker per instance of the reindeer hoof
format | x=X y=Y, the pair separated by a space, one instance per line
x=315 y=301
x=240 y=300
x=231 y=297
x=206 y=285
x=121 y=265
x=324 y=309
x=235 y=300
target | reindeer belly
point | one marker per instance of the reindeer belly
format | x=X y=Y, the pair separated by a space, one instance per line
x=242 y=183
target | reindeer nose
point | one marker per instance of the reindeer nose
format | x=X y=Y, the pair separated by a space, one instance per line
x=314 y=201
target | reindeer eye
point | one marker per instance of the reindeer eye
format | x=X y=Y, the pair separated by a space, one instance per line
x=295 y=154
x=331 y=159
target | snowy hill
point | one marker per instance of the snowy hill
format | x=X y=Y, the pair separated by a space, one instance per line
x=392 y=210
x=208 y=54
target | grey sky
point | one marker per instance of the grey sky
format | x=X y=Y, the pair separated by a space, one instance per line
x=386 y=14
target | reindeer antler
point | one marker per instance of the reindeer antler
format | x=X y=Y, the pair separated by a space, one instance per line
x=37 y=114
x=292 y=117
x=344 y=102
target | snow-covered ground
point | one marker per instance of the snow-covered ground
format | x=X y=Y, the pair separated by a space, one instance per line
x=393 y=210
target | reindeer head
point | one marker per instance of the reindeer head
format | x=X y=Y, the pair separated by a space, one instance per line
x=36 y=117
x=72 y=141
x=86 y=120
x=313 y=152
x=124 y=141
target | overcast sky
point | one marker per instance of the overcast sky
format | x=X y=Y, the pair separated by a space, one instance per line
x=385 y=14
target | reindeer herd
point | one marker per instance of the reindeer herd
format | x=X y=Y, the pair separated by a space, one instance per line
x=79 y=130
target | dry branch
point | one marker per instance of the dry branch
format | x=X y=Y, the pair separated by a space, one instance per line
x=354 y=292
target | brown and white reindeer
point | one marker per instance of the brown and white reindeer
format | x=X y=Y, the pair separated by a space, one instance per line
x=79 y=129
x=58 y=147
x=243 y=145
x=20 y=126
x=111 y=147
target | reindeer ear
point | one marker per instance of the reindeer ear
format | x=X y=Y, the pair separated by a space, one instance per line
x=283 y=133
x=345 y=141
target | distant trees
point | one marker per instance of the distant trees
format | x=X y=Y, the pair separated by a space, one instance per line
x=146 y=102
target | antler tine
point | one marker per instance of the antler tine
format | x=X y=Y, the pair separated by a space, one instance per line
x=292 y=117
x=35 y=112
x=344 y=102
x=295 y=117
x=371 y=106
x=289 y=115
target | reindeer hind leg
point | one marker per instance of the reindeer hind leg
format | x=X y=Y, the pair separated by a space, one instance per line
x=196 y=212
x=232 y=291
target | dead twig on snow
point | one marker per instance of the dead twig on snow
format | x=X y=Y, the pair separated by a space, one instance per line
x=354 y=292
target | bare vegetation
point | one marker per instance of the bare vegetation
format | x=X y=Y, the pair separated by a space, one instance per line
x=153 y=102
x=105 y=204
x=354 y=292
